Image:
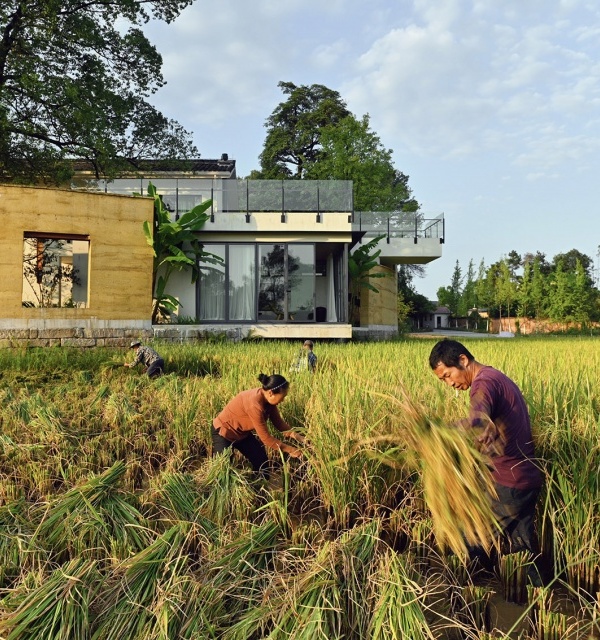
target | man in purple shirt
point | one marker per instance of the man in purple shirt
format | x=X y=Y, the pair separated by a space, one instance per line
x=498 y=410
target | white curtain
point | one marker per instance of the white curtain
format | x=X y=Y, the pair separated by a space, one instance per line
x=212 y=294
x=331 y=311
x=242 y=282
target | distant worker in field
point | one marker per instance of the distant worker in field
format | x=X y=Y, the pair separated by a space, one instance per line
x=498 y=408
x=155 y=365
x=242 y=424
x=307 y=359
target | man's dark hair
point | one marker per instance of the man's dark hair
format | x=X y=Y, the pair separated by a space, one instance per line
x=448 y=352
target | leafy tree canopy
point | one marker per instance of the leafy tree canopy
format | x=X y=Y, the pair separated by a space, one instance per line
x=293 y=142
x=350 y=150
x=74 y=81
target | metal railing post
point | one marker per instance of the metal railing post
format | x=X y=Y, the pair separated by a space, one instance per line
x=318 y=205
x=247 y=201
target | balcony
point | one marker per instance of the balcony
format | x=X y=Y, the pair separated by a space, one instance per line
x=408 y=237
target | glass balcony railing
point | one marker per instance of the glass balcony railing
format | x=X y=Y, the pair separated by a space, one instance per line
x=238 y=195
x=398 y=224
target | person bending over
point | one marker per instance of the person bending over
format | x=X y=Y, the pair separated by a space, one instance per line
x=155 y=365
x=242 y=424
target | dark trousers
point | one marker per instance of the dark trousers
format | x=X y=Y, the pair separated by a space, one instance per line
x=250 y=447
x=156 y=368
x=514 y=510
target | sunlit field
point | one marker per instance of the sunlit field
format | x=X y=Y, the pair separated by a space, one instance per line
x=115 y=522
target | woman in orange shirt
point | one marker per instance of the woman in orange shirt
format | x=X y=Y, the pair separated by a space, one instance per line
x=246 y=416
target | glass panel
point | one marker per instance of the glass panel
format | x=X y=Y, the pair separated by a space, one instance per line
x=126 y=186
x=55 y=272
x=212 y=287
x=271 y=296
x=301 y=282
x=242 y=282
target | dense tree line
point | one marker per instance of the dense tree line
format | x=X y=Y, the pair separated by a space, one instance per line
x=528 y=286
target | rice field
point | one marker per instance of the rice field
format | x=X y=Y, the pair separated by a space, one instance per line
x=115 y=522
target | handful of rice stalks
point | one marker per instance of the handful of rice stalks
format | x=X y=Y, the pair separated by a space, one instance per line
x=457 y=482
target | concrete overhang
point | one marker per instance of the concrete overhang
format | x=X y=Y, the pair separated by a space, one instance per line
x=409 y=251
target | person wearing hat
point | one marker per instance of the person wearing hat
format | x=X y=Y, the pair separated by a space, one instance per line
x=154 y=364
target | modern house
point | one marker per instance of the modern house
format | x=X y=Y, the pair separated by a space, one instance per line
x=284 y=247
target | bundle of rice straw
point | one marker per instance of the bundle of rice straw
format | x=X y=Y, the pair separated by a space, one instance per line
x=456 y=479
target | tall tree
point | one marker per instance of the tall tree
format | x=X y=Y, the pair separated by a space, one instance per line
x=450 y=296
x=561 y=294
x=569 y=262
x=74 y=82
x=506 y=291
x=468 y=299
x=524 y=300
x=350 y=150
x=293 y=142
x=583 y=298
x=539 y=286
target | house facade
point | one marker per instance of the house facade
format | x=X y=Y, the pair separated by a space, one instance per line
x=75 y=268
x=283 y=249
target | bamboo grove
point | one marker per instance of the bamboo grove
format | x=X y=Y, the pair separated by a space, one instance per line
x=115 y=522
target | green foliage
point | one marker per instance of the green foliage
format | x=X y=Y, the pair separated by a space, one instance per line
x=351 y=151
x=450 y=296
x=562 y=291
x=294 y=130
x=176 y=247
x=360 y=264
x=74 y=83
x=312 y=135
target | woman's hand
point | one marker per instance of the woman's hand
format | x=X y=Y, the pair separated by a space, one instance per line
x=295 y=435
x=294 y=453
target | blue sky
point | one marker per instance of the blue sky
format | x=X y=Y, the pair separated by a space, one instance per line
x=492 y=107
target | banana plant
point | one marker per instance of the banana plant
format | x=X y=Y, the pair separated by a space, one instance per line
x=177 y=247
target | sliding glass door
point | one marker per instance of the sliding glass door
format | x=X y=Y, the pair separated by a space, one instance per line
x=287 y=282
x=259 y=282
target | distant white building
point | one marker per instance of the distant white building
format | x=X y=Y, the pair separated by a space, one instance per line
x=437 y=319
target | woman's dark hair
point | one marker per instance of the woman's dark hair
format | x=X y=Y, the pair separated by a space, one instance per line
x=448 y=352
x=273 y=383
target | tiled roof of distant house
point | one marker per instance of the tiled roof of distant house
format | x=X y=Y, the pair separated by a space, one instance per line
x=443 y=310
x=196 y=166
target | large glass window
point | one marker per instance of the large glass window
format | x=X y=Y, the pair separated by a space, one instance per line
x=259 y=282
x=212 y=286
x=55 y=270
x=271 y=292
x=242 y=281
x=301 y=281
